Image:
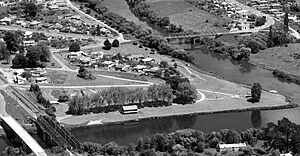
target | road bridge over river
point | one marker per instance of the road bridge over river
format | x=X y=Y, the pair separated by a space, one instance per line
x=23 y=134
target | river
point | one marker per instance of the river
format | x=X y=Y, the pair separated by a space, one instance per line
x=221 y=67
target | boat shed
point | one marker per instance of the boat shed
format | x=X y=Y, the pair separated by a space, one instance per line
x=132 y=109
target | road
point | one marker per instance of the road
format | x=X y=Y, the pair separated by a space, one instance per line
x=84 y=87
x=120 y=36
x=100 y=39
x=22 y=133
x=270 y=20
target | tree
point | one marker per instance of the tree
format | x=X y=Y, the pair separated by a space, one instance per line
x=31 y=10
x=12 y=42
x=4 y=52
x=45 y=52
x=116 y=43
x=33 y=55
x=286 y=21
x=233 y=137
x=185 y=93
x=163 y=64
x=253 y=46
x=85 y=73
x=256 y=92
x=74 y=47
x=107 y=44
x=20 y=61
x=34 y=88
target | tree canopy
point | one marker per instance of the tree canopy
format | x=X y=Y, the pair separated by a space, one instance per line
x=74 y=47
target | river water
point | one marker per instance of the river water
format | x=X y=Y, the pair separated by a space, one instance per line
x=219 y=66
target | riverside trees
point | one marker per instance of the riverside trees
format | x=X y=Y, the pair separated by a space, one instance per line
x=113 y=98
x=283 y=136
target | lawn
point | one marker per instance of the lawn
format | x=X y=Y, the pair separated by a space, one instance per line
x=71 y=79
x=13 y=108
x=190 y=17
x=279 y=58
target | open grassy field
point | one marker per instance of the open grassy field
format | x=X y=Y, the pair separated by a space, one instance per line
x=120 y=7
x=71 y=79
x=279 y=58
x=13 y=108
x=190 y=17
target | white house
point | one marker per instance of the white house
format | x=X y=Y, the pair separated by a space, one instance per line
x=231 y=147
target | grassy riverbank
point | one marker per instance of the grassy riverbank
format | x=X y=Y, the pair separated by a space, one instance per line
x=222 y=96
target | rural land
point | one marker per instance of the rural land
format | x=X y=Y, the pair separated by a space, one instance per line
x=85 y=65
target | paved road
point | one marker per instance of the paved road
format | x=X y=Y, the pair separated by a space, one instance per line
x=270 y=20
x=23 y=134
x=93 y=86
x=55 y=34
x=120 y=36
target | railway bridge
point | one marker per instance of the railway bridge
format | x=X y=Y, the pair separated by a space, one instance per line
x=48 y=128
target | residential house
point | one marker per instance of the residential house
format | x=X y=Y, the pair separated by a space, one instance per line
x=231 y=147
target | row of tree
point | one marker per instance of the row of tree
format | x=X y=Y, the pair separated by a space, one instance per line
x=113 y=98
x=141 y=9
x=278 y=138
x=49 y=109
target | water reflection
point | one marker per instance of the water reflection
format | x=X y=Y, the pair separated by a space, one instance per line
x=256 y=118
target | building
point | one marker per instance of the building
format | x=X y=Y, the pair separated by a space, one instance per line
x=286 y=154
x=231 y=147
x=133 y=109
x=41 y=80
x=29 y=43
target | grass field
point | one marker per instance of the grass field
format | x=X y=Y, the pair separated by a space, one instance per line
x=279 y=58
x=71 y=79
x=190 y=17
x=13 y=108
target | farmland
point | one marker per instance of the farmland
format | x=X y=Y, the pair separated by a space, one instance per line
x=190 y=17
x=284 y=58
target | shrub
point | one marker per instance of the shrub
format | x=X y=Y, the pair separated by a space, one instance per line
x=107 y=44
x=116 y=43
x=74 y=47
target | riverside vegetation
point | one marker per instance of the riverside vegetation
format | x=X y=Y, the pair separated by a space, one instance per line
x=282 y=137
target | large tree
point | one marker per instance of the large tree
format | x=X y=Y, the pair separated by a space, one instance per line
x=12 y=41
x=185 y=93
x=20 y=61
x=31 y=10
x=4 y=52
x=74 y=47
x=256 y=92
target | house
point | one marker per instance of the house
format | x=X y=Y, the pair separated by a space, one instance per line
x=41 y=80
x=231 y=147
x=286 y=154
x=28 y=34
x=28 y=43
x=6 y=20
x=133 y=109
x=148 y=59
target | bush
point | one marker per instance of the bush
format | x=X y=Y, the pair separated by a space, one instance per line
x=253 y=46
x=74 y=47
x=107 y=45
x=116 y=43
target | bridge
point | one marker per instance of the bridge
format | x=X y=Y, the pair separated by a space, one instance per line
x=23 y=134
x=192 y=38
x=50 y=131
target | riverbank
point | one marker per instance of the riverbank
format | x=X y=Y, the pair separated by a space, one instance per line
x=286 y=66
x=137 y=118
x=222 y=96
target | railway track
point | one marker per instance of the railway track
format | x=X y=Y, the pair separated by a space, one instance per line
x=28 y=103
